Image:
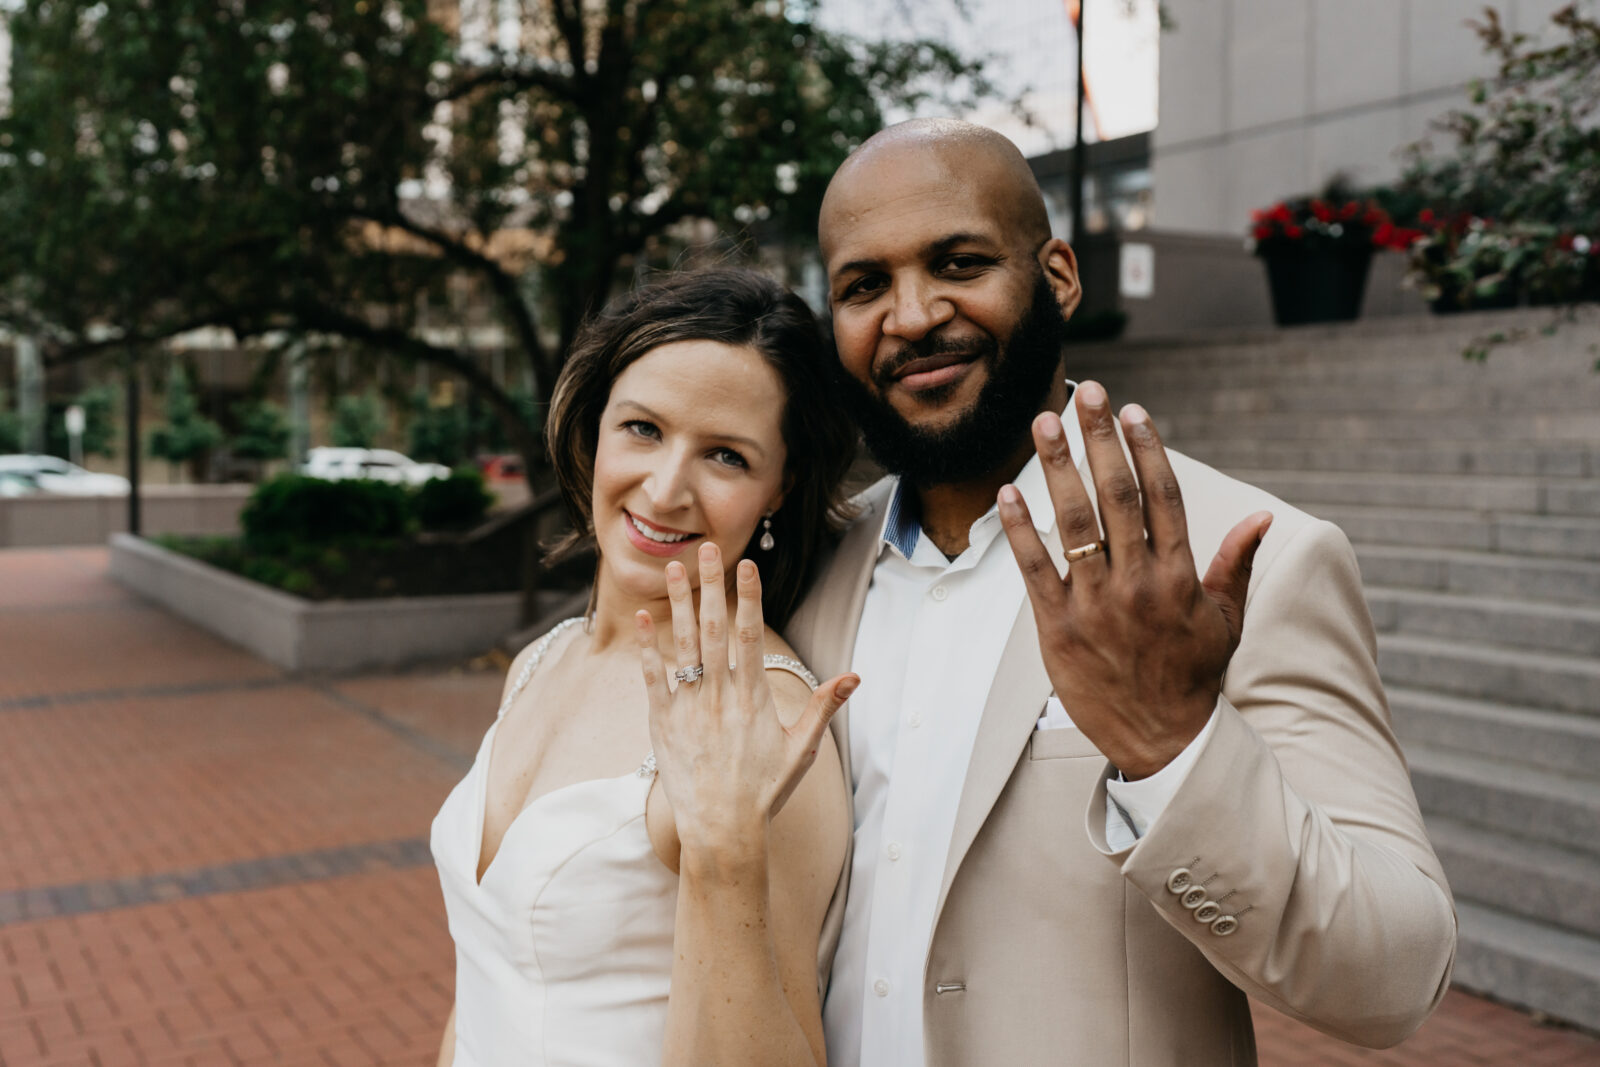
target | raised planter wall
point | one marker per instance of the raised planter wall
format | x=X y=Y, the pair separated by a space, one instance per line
x=318 y=636
x=46 y=520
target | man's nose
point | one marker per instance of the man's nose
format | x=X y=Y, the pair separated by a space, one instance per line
x=915 y=310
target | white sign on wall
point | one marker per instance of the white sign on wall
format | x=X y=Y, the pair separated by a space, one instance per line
x=1136 y=271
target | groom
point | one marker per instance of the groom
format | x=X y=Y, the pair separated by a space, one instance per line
x=1098 y=798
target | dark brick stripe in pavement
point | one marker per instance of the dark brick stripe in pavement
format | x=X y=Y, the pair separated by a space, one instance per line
x=142 y=692
x=267 y=872
x=417 y=739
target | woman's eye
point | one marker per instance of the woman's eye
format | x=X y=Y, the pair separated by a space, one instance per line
x=641 y=428
x=728 y=457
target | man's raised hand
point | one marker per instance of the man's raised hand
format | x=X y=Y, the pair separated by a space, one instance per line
x=1134 y=641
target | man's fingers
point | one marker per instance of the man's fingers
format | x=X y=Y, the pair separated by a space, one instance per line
x=1039 y=572
x=1163 y=500
x=713 y=617
x=1227 y=580
x=1121 y=513
x=1074 y=513
x=685 y=631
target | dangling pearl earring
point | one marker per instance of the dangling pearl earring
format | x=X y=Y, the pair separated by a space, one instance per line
x=767 y=540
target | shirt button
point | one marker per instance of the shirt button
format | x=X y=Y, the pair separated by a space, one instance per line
x=881 y=987
x=940 y=592
x=893 y=850
x=915 y=720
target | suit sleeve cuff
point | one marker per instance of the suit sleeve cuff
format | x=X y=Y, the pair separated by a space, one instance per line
x=1135 y=806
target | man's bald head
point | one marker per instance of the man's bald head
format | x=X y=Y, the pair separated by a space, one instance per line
x=960 y=156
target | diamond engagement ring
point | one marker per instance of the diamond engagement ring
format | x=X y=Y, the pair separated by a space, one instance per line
x=1085 y=551
x=689 y=674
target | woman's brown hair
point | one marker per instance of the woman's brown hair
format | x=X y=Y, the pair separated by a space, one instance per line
x=735 y=307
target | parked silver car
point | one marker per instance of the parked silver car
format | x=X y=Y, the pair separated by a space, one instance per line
x=52 y=474
x=379 y=464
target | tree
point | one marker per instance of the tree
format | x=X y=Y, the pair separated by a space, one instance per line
x=360 y=174
x=263 y=431
x=357 y=421
x=188 y=436
x=438 y=433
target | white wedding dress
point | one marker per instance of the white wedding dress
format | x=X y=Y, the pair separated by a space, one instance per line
x=564 y=950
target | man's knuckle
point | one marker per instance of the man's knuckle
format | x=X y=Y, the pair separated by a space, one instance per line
x=1122 y=491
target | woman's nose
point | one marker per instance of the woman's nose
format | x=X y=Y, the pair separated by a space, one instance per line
x=668 y=482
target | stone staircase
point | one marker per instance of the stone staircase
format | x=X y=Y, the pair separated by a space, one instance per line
x=1472 y=494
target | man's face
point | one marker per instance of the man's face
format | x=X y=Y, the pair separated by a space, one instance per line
x=947 y=327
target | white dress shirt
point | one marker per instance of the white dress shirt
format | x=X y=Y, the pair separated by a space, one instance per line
x=931 y=636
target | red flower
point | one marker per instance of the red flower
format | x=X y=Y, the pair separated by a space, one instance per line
x=1425 y=215
x=1261 y=233
x=1322 y=211
x=1383 y=236
x=1293 y=232
x=1280 y=213
x=1349 y=211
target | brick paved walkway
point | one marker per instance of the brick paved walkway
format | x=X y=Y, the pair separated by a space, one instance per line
x=203 y=861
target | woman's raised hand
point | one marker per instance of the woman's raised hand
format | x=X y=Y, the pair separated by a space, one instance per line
x=726 y=760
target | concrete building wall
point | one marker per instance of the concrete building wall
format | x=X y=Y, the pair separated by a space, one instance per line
x=1262 y=99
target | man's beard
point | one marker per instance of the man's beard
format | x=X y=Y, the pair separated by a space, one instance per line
x=988 y=433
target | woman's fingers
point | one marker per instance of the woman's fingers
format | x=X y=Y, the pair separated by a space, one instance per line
x=713 y=618
x=655 y=671
x=750 y=634
x=805 y=736
x=685 y=631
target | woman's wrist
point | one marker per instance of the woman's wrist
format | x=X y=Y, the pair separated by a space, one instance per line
x=728 y=853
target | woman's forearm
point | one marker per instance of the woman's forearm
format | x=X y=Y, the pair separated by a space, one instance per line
x=728 y=1005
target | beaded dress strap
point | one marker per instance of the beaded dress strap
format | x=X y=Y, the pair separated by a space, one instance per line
x=533 y=660
x=772 y=662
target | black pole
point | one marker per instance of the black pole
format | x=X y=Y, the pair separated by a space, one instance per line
x=133 y=446
x=1079 y=152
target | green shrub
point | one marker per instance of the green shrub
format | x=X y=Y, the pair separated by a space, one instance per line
x=453 y=503
x=292 y=510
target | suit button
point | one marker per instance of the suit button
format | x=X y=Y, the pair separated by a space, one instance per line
x=1193 y=897
x=1179 y=880
x=881 y=987
x=1207 y=911
x=1225 y=926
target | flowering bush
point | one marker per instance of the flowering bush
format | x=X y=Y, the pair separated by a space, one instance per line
x=1464 y=260
x=1326 y=222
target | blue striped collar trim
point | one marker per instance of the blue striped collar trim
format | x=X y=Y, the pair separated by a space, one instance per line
x=901 y=530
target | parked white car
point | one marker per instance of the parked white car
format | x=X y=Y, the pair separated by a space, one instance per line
x=379 y=464
x=51 y=474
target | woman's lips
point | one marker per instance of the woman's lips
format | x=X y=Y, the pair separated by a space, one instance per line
x=654 y=548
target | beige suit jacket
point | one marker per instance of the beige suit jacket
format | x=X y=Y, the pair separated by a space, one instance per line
x=1297 y=818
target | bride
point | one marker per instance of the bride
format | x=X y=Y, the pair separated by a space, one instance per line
x=639 y=872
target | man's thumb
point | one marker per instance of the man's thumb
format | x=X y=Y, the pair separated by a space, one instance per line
x=1227 y=580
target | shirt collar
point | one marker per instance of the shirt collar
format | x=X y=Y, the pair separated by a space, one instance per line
x=902 y=530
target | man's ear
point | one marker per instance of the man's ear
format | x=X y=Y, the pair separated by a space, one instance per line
x=1060 y=268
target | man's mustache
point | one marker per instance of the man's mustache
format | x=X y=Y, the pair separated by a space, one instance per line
x=889 y=368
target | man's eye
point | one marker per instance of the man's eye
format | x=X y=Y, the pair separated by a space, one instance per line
x=862 y=287
x=964 y=263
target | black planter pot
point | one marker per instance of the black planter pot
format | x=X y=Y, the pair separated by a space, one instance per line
x=1316 y=284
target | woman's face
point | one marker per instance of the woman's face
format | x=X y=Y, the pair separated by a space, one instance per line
x=690 y=450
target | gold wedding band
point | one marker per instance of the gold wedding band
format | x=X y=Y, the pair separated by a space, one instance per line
x=1085 y=551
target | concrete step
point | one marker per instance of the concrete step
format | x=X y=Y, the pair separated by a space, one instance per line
x=1424 y=395
x=1480 y=573
x=1546 y=740
x=1561 y=536
x=1504 y=621
x=1521 y=877
x=1524 y=802
x=1462 y=492
x=1445 y=454
x=1580 y=426
x=1487 y=672
x=1529 y=963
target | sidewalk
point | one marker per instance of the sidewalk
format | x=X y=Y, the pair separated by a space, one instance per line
x=203 y=861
